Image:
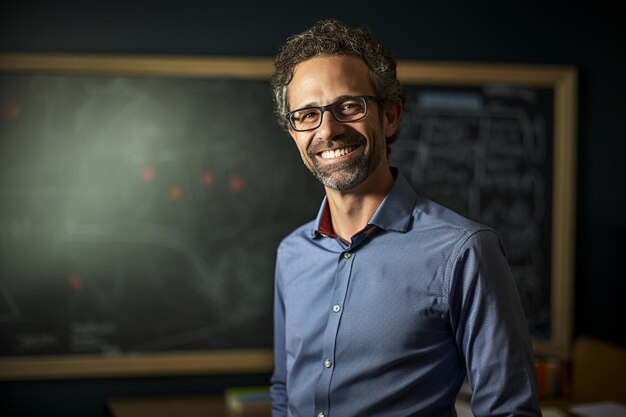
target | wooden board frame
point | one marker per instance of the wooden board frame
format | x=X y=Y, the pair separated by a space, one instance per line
x=563 y=80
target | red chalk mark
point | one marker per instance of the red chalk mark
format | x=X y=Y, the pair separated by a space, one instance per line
x=149 y=174
x=76 y=282
x=174 y=193
x=236 y=183
x=208 y=179
x=10 y=110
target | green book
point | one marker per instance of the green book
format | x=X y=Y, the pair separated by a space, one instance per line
x=252 y=398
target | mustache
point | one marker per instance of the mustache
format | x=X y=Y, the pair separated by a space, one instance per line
x=342 y=141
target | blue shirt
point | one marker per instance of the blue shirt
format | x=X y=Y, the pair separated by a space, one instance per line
x=391 y=324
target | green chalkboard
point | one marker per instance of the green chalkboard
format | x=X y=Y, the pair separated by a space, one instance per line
x=141 y=214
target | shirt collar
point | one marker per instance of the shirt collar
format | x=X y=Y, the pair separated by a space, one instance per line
x=394 y=213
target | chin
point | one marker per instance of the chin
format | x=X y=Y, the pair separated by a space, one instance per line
x=342 y=182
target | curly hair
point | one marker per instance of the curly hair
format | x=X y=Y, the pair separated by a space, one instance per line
x=331 y=37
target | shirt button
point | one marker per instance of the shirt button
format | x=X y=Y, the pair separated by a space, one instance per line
x=328 y=363
x=336 y=308
x=347 y=255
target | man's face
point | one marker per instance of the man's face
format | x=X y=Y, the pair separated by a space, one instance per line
x=340 y=155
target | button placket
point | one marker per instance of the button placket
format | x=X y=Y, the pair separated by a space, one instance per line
x=342 y=278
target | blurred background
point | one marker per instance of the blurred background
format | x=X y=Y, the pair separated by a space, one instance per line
x=585 y=35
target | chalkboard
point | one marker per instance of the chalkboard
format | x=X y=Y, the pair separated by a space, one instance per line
x=496 y=143
x=142 y=199
x=140 y=214
x=486 y=152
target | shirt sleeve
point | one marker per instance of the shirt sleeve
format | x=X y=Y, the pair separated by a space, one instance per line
x=278 y=389
x=491 y=329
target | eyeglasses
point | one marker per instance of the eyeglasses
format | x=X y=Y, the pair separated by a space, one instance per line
x=344 y=110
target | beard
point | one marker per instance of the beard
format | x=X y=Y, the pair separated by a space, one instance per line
x=343 y=176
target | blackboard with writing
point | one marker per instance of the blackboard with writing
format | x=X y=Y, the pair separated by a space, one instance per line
x=486 y=152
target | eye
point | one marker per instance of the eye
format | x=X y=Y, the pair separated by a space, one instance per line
x=306 y=115
x=351 y=107
x=309 y=115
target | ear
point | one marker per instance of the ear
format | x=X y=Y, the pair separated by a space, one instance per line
x=391 y=118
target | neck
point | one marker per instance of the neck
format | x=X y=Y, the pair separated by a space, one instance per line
x=352 y=210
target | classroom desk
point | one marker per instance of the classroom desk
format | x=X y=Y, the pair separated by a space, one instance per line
x=176 y=406
x=213 y=406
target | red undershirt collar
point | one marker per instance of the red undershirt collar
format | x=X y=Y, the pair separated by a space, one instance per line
x=326 y=225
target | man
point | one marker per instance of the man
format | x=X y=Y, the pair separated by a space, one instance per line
x=386 y=301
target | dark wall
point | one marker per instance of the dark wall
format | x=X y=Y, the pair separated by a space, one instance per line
x=586 y=35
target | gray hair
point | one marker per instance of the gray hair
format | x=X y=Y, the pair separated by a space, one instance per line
x=331 y=37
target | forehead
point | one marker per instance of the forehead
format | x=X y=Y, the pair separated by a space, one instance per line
x=323 y=79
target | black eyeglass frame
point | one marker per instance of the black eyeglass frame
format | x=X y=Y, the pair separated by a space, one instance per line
x=329 y=108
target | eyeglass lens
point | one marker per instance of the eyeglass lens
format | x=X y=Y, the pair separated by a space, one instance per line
x=346 y=110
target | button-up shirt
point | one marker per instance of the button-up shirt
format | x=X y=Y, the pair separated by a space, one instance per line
x=393 y=322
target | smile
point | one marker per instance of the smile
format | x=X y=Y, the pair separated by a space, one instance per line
x=336 y=153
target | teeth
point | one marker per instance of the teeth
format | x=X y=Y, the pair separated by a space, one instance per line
x=335 y=153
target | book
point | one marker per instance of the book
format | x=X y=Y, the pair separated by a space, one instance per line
x=248 y=399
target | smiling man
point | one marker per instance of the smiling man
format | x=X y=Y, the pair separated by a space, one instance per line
x=386 y=301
